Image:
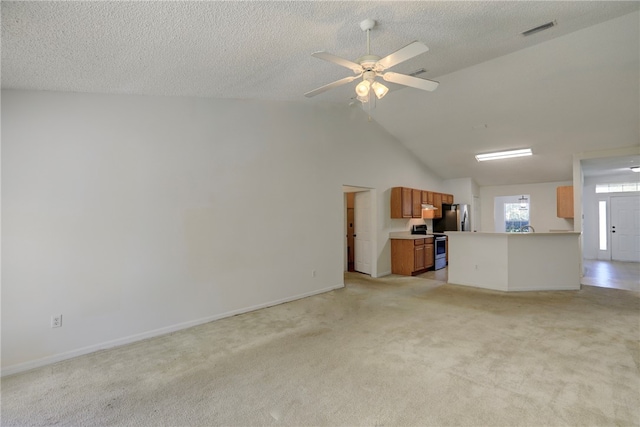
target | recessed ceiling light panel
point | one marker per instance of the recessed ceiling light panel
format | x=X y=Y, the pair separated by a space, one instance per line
x=504 y=154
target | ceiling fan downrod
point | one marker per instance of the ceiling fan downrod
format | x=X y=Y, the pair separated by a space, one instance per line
x=368 y=62
x=367 y=25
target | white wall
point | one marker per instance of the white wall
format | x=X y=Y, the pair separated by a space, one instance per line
x=134 y=216
x=542 y=205
x=463 y=189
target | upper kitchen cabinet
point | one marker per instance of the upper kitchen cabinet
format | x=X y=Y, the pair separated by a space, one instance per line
x=416 y=197
x=437 y=203
x=407 y=202
x=401 y=202
x=564 y=204
x=427 y=197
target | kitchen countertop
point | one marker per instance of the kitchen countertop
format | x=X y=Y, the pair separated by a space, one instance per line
x=537 y=233
x=406 y=235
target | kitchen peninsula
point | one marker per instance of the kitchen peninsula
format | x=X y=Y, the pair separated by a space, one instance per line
x=515 y=261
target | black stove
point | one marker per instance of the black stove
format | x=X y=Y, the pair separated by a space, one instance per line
x=419 y=229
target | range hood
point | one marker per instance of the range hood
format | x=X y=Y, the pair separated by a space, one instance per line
x=428 y=211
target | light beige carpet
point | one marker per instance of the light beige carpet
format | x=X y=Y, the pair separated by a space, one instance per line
x=394 y=352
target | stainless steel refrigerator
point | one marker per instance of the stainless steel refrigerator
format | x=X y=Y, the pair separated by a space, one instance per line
x=454 y=218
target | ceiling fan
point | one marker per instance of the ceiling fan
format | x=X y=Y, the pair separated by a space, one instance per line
x=371 y=66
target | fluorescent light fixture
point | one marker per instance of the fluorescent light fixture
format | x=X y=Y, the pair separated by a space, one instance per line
x=635 y=168
x=504 y=154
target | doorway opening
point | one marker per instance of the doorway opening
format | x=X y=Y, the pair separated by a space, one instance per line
x=599 y=178
x=359 y=230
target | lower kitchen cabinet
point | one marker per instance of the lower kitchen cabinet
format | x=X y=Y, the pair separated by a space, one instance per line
x=411 y=256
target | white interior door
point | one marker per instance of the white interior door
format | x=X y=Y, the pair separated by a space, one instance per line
x=625 y=228
x=362 y=230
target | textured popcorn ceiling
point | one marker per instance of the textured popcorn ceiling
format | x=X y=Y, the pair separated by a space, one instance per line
x=262 y=50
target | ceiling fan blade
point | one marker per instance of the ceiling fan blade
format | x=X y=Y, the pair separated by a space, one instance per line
x=409 y=51
x=416 y=82
x=331 y=86
x=356 y=68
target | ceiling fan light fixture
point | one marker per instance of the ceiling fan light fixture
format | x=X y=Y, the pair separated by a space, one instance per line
x=379 y=89
x=371 y=66
x=523 y=202
x=504 y=154
x=364 y=99
x=362 y=89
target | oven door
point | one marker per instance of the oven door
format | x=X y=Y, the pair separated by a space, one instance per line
x=441 y=246
x=440 y=253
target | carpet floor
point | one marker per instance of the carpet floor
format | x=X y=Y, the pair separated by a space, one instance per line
x=395 y=351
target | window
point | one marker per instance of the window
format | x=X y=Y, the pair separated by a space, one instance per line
x=602 y=224
x=618 y=188
x=516 y=215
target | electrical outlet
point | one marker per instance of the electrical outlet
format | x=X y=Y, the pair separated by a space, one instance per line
x=56 y=321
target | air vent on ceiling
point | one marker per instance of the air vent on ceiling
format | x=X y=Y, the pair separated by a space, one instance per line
x=540 y=28
x=416 y=72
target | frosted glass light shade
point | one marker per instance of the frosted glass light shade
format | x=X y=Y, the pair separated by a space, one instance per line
x=379 y=89
x=363 y=88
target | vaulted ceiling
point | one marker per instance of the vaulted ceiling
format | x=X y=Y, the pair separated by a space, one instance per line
x=570 y=89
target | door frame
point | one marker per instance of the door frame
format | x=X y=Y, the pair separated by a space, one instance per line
x=373 y=200
x=578 y=185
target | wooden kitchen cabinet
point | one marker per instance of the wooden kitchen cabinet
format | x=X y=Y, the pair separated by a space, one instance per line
x=407 y=202
x=418 y=256
x=437 y=203
x=401 y=202
x=564 y=201
x=411 y=256
x=416 y=196
x=429 y=255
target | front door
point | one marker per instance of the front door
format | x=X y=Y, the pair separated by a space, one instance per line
x=625 y=228
x=362 y=232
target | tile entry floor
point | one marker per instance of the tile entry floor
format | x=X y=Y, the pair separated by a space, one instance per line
x=612 y=274
x=604 y=274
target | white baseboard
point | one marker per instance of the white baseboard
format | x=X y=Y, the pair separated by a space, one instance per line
x=26 y=366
